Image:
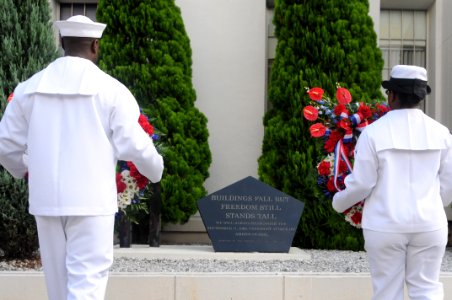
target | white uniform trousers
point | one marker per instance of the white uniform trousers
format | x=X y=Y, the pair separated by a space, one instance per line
x=76 y=254
x=411 y=258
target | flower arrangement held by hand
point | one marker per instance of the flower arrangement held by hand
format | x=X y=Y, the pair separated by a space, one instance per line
x=130 y=183
x=339 y=125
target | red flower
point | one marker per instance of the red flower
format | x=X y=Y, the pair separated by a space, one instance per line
x=10 y=97
x=343 y=96
x=143 y=120
x=142 y=181
x=357 y=217
x=365 y=111
x=349 y=149
x=330 y=185
x=120 y=185
x=315 y=93
x=324 y=168
x=317 y=130
x=381 y=109
x=344 y=124
x=332 y=140
x=339 y=109
x=310 y=113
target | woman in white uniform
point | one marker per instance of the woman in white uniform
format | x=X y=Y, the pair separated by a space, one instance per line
x=403 y=170
x=74 y=122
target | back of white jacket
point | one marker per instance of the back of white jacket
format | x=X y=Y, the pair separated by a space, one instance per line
x=403 y=170
x=74 y=122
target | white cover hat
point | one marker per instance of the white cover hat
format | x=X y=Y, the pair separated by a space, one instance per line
x=80 y=26
x=408 y=79
x=409 y=72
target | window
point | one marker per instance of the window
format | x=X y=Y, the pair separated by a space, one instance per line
x=403 y=38
x=68 y=10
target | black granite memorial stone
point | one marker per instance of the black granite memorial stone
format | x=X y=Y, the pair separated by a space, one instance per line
x=250 y=216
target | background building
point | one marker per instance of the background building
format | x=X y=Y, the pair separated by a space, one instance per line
x=233 y=46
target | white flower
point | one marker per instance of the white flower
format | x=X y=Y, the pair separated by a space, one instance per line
x=125 y=198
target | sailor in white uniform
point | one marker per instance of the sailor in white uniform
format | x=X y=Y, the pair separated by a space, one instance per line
x=73 y=122
x=403 y=170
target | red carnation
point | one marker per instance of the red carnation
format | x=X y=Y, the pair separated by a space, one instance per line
x=339 y=109
x=332 y=140
x=141 y=180
x=315 y=93
x=330 y=185
x=357 y=217
x=133 y=169
x=343 y=96
x=317 y=130
x=349 y=149
x=120 y=185
x=344 y=124
x=365 y=111
x=324 y=168
x=381 y=109
x=147 y=127
x=310 y=113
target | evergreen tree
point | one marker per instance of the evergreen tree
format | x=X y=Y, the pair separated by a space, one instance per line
x=27 y=45
x=320 y=43
x=146 y=47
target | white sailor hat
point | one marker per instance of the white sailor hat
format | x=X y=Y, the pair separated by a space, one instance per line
x=408 y=80
x=80 y=26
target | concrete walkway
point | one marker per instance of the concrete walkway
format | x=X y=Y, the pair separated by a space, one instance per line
x=210 y=286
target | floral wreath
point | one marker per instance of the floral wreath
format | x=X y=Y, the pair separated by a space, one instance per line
x=131 y=185
x=339 y=124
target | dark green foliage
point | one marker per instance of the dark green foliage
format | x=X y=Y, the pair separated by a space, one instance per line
x=18 y=235
x=27 y=45
x=320 y=43
x=145 y=46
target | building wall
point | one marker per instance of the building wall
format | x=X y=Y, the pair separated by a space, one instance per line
x=445 y=62
x=228 y=40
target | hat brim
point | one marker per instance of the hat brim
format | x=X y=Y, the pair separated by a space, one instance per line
x=390 y=85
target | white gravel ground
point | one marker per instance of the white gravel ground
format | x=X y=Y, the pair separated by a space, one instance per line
x=319 y=261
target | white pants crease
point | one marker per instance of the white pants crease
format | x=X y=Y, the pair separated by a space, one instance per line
x=76 y=254
x=413 y=259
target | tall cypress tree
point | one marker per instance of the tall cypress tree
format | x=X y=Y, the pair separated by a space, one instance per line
x=320 y=43
x=146 y=47
x=27 y=46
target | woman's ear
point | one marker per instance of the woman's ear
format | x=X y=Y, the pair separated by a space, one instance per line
x=95 y=47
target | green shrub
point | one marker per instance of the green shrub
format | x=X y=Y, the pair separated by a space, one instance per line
x=27 y=45
x=18 y=235
x=320 y=43
x=145 y=46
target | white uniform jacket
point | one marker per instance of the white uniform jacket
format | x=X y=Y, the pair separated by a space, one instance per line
x=74 y=122
x=403 y=170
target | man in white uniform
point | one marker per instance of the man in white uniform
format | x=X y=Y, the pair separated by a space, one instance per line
x=403 y=170
x=72 y=122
